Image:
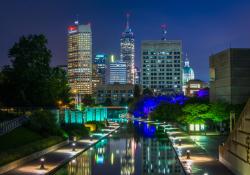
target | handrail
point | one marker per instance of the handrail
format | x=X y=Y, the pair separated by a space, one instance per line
x=7 y=126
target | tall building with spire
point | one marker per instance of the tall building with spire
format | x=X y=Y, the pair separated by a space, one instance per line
x=187 y=74
x=128 y=51
x=80 y=58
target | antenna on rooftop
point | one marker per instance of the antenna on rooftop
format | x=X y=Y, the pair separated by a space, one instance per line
x=164 y=32
x=76 y=21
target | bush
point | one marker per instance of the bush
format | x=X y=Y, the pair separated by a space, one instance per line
x=4 y=116
x=44 y=122
x=99 y=125
x=75 y=129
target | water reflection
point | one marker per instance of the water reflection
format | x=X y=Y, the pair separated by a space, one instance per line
x=131 y=151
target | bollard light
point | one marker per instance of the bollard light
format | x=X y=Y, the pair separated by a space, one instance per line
x=73 y=146
x=188 y=154
x=179 y=142
x=42 y=161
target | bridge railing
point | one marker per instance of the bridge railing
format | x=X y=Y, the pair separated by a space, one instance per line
x=7 y=126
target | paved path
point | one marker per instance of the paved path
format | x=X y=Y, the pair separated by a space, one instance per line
x=202 y=160
x=56 y=158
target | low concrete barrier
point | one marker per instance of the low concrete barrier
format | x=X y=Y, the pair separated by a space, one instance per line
x=36 y=155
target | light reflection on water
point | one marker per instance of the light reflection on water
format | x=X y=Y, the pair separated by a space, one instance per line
x=131 y=151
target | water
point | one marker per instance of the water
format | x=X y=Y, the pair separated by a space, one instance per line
x=137 y=149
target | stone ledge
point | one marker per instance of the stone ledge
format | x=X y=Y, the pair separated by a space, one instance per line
x=36 y=155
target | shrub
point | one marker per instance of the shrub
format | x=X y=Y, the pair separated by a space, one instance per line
x=75 y=129
x=44 y=122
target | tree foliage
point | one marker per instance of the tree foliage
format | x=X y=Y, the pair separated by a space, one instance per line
x=195 y=113
x=166 y=112
x=30 y=81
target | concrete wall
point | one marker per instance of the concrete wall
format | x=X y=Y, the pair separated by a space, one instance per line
x=235 y=153
x=232 y=76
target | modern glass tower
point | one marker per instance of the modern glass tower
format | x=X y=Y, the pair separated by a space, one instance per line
x=80 y=58
x=118 y=72
x=99 y=66
x=128 y=52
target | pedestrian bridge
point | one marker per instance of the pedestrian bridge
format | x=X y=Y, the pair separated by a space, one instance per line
x=114 y=113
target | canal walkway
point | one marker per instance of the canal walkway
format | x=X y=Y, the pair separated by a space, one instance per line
x=199 y=160
x=53 y=160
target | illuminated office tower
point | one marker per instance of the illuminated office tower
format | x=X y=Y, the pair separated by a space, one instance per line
x=161 y=62
x=100 y=64
x=128 y=52
x=80 y=58
x=118 y=73
x=99 y=70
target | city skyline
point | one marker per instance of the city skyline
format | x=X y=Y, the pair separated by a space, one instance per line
x=219 y=20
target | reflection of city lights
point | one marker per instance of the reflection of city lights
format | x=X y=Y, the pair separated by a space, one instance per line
x=112 y=158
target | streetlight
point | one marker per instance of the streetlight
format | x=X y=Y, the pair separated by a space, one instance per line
x=42 y=161
x=188 y=154
x=74 y=146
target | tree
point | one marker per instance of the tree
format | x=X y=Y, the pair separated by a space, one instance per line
x=108 y=102
x=195 y=113
x=88 y=100
x=44 y=122
x=167 y=112
x=137 y=91
x=122 y=102
x=147 y=91
x=30 y=81
x=218 y=112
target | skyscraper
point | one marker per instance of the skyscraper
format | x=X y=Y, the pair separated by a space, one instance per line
x=162 y=66
x=99 y=66
x=137 y=76
x=128 y=52
x=118 y=72
x=80 y=58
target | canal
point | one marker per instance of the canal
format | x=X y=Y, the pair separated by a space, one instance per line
x=135 y=149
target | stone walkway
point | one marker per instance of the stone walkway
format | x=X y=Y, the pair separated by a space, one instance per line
x=200 y=162
x=53 y=160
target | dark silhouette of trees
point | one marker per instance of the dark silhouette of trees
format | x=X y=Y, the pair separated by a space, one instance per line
x=30 y=81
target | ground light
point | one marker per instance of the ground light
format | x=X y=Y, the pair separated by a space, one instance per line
x=179 y=142
x=73 y=146
x=188 y=154
x=42 y=161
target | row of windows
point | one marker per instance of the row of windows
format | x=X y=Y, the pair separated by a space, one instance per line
x=161 y=78
x=160 y=82
x=160 y=53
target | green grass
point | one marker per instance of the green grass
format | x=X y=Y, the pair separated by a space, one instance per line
x=22 y=142
x=18 y=137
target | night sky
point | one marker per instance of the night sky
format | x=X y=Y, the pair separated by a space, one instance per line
x=204 y=26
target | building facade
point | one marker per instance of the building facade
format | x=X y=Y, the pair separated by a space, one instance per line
x=137 y=76
x=187 y=74
x=128 y=52
x=118 y=72
x=161 y=62
x=80 y=58
x=115 y=92
x=194 y=86
x=230 y=75
x=100 y=66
